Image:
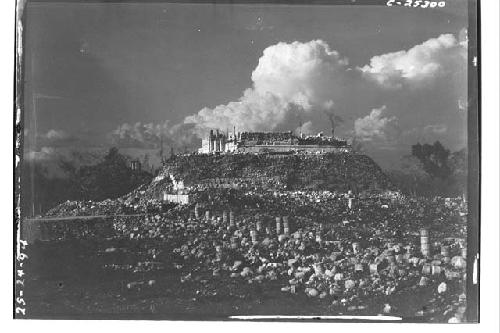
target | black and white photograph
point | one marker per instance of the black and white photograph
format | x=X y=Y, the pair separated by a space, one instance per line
x=248 y=161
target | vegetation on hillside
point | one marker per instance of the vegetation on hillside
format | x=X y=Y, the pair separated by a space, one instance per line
x=335 y=172
x=432 y=170
x=110 y=178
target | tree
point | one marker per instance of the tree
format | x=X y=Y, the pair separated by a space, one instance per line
x=458 y=164
x=108 y=179
x=434 y=159
x=432 y=170
x=412 y=178
x=39 y=191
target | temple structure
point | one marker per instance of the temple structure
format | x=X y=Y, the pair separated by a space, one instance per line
x=267 y=142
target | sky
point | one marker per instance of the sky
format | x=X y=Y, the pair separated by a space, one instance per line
x=102 y=75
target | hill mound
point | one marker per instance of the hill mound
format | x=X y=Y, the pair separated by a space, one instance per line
x=331 y=172
x=334 y=172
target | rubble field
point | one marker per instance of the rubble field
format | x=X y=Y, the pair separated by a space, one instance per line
x=234 y=252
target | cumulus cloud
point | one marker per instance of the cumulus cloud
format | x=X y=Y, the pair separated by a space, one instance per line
x=252 y=112
x=131 y=135
x=418 y=65
x=301 y=82
x=436 y=129
x=54 y=134
x=304 y=80
x=53 y=138
x=290 y=79
x=300 y=73
x=462 y=105
x=150 y=135
x=44 y=154
x=376 y=126
x=463 y=37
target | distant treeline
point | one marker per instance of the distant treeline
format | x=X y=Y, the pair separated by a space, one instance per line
x=432 y=170
x=111 y=177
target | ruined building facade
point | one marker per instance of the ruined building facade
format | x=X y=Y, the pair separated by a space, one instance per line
x=266 y=142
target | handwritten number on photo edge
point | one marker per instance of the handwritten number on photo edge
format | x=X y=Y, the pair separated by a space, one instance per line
x=417 y=3
x=408 y=3
x=390 y=3
x=20 y=273
x=426 y=4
